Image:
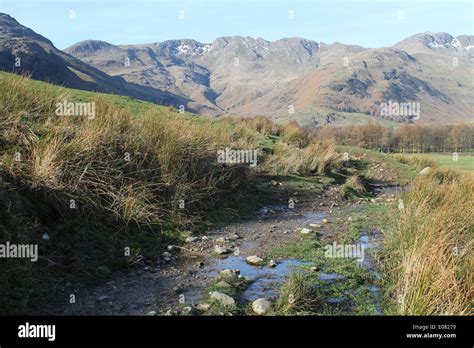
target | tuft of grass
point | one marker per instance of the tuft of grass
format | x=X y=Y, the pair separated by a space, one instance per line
x=317 y=158
x=355 y=186
x=298 y=295
x=428 y=251
x=418 y=161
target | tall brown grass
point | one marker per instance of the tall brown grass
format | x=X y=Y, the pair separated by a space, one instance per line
x=319 y=157
x=135 y=168
x=417 y=161
x=428 y=251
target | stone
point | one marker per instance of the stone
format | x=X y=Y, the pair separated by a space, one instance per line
x=425 y=171
x=191 y=239
x=203 y=307
x=315 y=226
x=272 y=263
x=261 y=306
x=219 y=250
x=223 y=284
x=222 y=299
x=166 y=254
x=254 y=260
x=151 y=313
x=229 y=273
x=220 y=240
x=305 y=231
x=199 y=264
x=324 y=221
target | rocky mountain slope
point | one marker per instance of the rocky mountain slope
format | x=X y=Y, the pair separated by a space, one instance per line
x=302 y=79
x=293 y=78
x=25 y=52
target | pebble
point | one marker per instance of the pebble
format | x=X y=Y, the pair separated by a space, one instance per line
x=220 y=250
x=223 y=299
x=315 y=225
x=272 y=263
x=223 y=284
x=203 y=307
x=261 y=306
x=305 y=231
x=254 y=260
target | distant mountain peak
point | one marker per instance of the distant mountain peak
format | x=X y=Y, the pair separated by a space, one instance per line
x=244 y=75
x=434 y=41
x=10 y=28
x=88 y=47
x=5 y=19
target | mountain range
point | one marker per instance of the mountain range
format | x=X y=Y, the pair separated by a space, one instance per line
x=298 y=79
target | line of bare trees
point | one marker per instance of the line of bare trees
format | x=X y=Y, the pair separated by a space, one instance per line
x=407 y=138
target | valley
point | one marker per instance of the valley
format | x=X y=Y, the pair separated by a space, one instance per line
x=236 y=177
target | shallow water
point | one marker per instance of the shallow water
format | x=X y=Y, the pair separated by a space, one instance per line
x=330 y=276
x=368 y=243
x=263 y=278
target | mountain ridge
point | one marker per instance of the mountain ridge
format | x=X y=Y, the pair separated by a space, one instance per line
x=290 y=78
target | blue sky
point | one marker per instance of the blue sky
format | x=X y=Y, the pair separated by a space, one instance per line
x=369 y=23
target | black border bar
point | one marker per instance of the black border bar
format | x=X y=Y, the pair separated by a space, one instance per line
x=291 y=331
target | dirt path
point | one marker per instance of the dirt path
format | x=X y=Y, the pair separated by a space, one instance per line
x=184 y=279
x=190 y=272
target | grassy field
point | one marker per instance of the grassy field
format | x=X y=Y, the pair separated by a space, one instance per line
x=465 y=162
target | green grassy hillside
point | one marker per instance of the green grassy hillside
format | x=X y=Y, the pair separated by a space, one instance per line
x=132 y=177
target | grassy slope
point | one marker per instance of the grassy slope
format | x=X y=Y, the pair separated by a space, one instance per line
x=63 y=158
x=119 y=203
